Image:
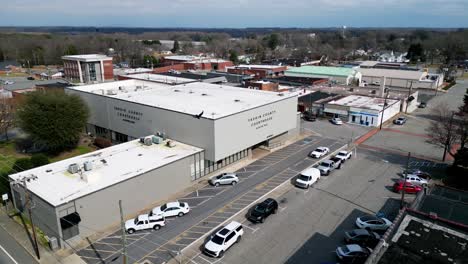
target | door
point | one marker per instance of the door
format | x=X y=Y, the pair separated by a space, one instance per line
x=230 y=239
x=226 y=180
x=353 y=119
x=172 y=211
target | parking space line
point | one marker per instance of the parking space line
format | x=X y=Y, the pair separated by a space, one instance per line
x=283 y=208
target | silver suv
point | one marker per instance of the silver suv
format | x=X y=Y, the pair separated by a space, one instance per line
x=224 y=178
x=326 y=167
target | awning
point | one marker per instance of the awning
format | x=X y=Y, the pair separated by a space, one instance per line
x=70 y=220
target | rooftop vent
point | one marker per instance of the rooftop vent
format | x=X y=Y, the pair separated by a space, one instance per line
x=236 y=100
x=176 y=90
x=88 y=165
x=111 y=92
x=191 y=92
x=204 y=94
x=280 y=94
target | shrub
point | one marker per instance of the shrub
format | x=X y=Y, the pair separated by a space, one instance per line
x=39 y=160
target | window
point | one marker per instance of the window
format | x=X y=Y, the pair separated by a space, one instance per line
x=230 y=236
x=154 y=220
x=92 y=72
x=239 y=229
x=140 y=223
x=100 y=130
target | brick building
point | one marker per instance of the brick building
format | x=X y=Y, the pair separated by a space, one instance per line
x=260 y=71
x=88 y=68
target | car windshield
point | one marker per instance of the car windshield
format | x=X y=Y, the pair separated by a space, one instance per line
x=181 y=204
x=260 y=208
x=135 y=221
x=319 y=150
x=401 y=118
x=368 y=218
x=304 y=178
x=345 y=249
x=164 y=207
x=325 y=164
x=335 y=159
x=217 y=240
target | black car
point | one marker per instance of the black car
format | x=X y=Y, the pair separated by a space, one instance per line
x=31 y=78
x=422 y=105
x=362 y=237
x=263 y=210
x=337 y=161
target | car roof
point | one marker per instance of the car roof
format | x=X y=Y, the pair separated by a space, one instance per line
x=321 y=148
x=268 y=201
x=402 y=118
x=173 y=204
x=369 y=217
x=354 y=247
x=142 y=217
x=233 y=225
x=343 y=152
x=327 y=161
x=361 y=231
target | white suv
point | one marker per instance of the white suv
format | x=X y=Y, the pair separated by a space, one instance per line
x=344 y=155
x=224 y=178
x=224 y=239
x=416 y=180
x=171 y=209
x=144 y=221
x=319 y=152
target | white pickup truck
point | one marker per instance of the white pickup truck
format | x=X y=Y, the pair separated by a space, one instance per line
x=344 y=155
x=144 y=222
x=326 y=166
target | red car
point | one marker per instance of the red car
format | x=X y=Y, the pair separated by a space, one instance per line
x=409 y=187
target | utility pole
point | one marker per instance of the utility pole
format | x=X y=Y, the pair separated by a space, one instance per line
x=409 y=94
x=124 y=239
x=402 y=202
x=28 y=202
x=383 y=109
x=449 y=136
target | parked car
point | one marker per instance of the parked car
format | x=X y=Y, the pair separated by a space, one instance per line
x=353 y=253
x=326 y=166
x=223 y=179
x=224 y=239
x=143 y=222
x=337 y=161
x=362 y=237
x=8 y=82
x=409 y=187
x=319 y=152
x=30 y=78
x=307 y=177
x=400 y=121
x=336 y=121
x=262 y=210
x=422 y=105
x=418 y=173
x=344 y=155
x=416 y=180
x=373 y=222
x=171 y=209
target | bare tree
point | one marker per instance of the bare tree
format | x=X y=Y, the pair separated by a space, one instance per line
x=6 y=114
x=443 y=129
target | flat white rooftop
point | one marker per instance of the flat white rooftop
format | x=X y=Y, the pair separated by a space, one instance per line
x=87 y=57
x=214 y=100
x=364 y=102
x=394 y=74
x=258 y=66
x=159 y=78
x=182 y=57
x=56 y=185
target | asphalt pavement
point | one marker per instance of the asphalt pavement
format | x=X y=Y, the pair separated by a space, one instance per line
x=11 y=252
x=310 y=223
x=210 y=208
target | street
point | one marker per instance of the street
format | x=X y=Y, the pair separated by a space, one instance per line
x=11 y=252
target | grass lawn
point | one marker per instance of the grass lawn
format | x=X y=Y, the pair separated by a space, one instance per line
x=14 y=74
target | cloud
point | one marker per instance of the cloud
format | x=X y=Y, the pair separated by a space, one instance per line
x=235 y=13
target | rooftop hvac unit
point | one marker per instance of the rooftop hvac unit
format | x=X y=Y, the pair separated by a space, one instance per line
x=111 y=92
x=170 y=143
x=53 y=243
x=142 y=140
x=88 y=165
x=157 y=140
x=148 y=141
x=73 y=168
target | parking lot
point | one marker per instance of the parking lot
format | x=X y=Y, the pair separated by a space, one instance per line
x=310 y=223
x=211 y=206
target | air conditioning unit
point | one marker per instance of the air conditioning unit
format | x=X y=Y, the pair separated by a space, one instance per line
x=170 y=143
x=111 y=92
x=157 y=140
x=88 y=165
x=148 y=141
x=73 y=168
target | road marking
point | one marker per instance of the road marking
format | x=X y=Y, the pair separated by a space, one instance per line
x=283 y=208
x=8 y=254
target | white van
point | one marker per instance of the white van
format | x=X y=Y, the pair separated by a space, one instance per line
x=308 y=177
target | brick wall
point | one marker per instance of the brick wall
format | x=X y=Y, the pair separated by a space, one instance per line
x=108 y=70
x=175 y=67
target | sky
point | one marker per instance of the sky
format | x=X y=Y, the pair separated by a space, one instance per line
x=235 y=13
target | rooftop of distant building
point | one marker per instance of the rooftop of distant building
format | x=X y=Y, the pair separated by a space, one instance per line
x=365 y=102
x=87 y=57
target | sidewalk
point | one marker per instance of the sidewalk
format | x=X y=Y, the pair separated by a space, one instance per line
x=19 y=232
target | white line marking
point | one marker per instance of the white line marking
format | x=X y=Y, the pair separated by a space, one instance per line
x=204 y=259
x=283 y=208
